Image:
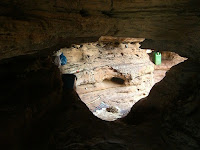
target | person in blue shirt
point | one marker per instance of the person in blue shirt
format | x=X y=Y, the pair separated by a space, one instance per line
x=63 y=59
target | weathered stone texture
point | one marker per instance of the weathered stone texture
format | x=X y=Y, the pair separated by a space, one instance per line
x=167 y=119
x=30 y=26
x=112 y=71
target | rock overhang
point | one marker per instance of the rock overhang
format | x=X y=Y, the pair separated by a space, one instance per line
x=31 y=27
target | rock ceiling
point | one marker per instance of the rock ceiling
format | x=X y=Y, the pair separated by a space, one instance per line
x=28 y=27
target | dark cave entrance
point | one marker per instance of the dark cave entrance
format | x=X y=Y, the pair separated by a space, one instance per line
x=112 y=78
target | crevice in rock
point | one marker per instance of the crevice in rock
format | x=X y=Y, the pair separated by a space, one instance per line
x=117 y=80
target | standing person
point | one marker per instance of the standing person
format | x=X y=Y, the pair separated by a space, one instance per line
x=60 y=59
x=63 y=59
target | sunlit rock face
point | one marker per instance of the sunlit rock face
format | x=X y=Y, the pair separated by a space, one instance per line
x=114 y=72
x=169 y=59
x=167 y=119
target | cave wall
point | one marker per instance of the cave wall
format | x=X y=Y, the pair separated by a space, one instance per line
x=175 y=100
x=30 y=88
x=33 y=26
x=40 y=27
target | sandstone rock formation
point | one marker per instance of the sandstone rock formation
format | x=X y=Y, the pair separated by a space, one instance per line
x=174 y=101
x=114 y=72
x=111 y=72
x=31 y=27
x=36 y=114
x=29 y=87
x=169 y=59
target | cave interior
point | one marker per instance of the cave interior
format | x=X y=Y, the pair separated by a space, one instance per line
x=105 y=42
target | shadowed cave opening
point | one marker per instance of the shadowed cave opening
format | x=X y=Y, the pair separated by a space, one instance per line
x=112 y=77
x=117 y=80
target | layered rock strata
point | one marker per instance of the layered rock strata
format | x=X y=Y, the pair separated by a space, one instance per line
x=110 y=72
x=28 y=27
x=114 y=72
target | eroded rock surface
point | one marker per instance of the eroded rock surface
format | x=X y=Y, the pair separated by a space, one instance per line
x=34 y=26
x=167 y=119
x=169 y=59
x=115 y=72
x=108 y=71
x=174 y=101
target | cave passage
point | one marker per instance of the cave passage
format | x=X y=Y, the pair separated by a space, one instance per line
x=112 y=78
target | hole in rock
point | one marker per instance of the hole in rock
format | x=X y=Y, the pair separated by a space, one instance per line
x=117 y=80
x=111 y=78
